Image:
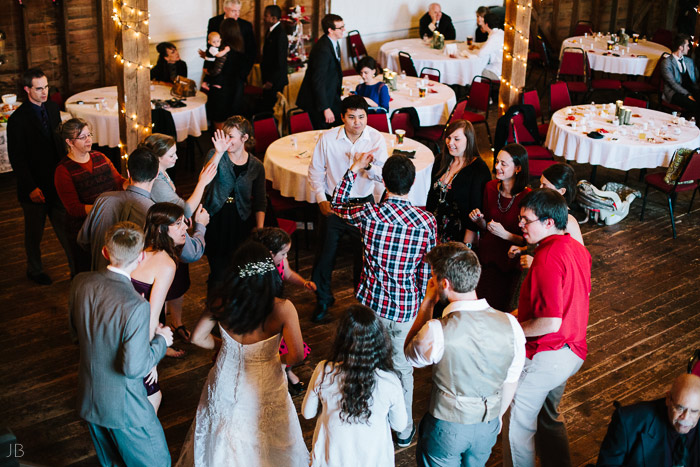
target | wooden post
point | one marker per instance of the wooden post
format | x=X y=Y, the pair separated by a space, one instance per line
x=133 y=73
x=515 y=45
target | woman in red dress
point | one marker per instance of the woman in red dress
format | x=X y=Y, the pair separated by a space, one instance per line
x=498 y=227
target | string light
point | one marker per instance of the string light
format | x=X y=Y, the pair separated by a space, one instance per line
x=515 y=55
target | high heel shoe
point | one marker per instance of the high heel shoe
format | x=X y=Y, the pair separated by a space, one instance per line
x=297 y=388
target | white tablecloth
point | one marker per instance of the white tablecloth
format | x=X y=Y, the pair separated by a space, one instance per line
x=630 y=63
x=615 y=150
x=460 y=70
x=189 y=120
x=433 y=109
x=287 y=167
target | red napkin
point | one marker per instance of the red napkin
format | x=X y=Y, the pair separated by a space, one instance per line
x=391 y=99
x=602 y=130
x=433 y=91
x=571 y=117
x=431 y=84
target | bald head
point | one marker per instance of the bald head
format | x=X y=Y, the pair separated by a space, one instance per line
x=683 y=403
x=435 y=12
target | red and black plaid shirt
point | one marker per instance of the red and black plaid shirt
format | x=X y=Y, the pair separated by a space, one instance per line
x=396 y=237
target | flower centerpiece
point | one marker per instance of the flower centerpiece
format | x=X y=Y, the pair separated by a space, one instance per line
x=296 y=54
x=438 y=41
x=390 y=79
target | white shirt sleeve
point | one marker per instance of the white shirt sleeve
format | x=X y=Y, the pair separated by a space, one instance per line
x=428 y=346
x=317 y=171
x=309 y=408
x=380 y=156
x=516 y=366
x=494 y=44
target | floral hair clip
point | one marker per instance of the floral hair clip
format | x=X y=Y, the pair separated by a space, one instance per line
x=257 y=268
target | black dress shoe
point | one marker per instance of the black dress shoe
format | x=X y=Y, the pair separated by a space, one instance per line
x=320 y=313
x=40 y=278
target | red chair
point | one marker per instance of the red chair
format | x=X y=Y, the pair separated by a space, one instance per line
x=687 y=180
x=406 y=64
x=574 y=64
x=632 y=102
x=378 y=119
x=583 y=27
x=538 y=54
x=401 y=120
x=539 y=157
x=663 y=37
x=693 y=366
x=478 y=99
x=265 y=131
x=533 y=99
x=433 y=74
x=558 y=97
x=649 y=85
x=299 y=121
x=356 y=48
x=434 y=133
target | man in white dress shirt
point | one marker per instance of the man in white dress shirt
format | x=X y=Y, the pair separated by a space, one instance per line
x=477 y=355
x=333 y=156
x=492 y=49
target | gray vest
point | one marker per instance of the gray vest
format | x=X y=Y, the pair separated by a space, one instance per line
x=468 y=378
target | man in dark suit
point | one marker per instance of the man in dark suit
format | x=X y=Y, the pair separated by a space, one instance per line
x=273 y=66
x=232 y=10
x=320 y=90
x=111 y=323
x=680 y=76
x=660 y=433
x=35 y=149
x=434 y=20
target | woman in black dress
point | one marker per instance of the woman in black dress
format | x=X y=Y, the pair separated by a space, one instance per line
x=169 y=66
x=226 y=99
x=458 y=185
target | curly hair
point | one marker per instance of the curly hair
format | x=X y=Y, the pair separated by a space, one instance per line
x=361 y=347
x=160 y=216
x=242 y=302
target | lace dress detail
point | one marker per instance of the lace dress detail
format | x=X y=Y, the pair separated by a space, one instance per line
x=245 y=415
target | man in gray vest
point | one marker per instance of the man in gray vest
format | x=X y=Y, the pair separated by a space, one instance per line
x=477 y=355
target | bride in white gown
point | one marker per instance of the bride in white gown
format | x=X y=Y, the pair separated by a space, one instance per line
x=245 y=415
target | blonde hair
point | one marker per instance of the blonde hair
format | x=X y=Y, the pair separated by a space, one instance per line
x=124 y=243
x=212 y=35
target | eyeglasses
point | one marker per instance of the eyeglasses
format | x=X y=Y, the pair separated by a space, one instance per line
x=525 y=221
x=84 y=137
x=339 y=27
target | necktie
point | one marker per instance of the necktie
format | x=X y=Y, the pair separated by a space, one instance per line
x=680 y=452
x=45 y=120
x=682 y=65
x=337 y=50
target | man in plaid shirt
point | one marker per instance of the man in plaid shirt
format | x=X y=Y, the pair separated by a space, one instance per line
x=396 y=236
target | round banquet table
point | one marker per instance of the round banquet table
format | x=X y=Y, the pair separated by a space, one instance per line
x=621 y=148
x=460 y=70
x=189 y=121
x=630 y=63
x=433 y=109
x=287 y=167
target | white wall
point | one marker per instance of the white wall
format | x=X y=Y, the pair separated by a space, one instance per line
x=184 y=23
x=380 y=21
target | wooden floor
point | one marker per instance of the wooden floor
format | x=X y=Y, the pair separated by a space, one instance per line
x=643 y=324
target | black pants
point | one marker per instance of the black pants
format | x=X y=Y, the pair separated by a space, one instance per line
x=331 y=229
x=684 y=101
x=318 y=120
x=34 y=221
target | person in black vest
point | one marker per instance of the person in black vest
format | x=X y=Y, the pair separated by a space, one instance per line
x=655 y=433
x=680 y=76
x=34 y=150
x=273 y=66
x=436 y=20
x=319 y=93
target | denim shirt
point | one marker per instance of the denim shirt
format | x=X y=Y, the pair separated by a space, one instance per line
x=248 y=190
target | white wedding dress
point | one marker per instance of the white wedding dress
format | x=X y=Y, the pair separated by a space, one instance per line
x=245 y=415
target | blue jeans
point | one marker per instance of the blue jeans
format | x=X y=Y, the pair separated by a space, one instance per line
x=443 y=444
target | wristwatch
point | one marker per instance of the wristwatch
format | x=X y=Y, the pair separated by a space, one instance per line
x=469 y=245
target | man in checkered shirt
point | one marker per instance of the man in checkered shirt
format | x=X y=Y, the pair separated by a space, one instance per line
x=396 y=236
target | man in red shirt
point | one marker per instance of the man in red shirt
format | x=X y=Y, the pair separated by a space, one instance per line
x=553 y=312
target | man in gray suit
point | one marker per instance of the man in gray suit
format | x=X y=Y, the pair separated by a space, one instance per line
x=110 y=321
x=680 y=76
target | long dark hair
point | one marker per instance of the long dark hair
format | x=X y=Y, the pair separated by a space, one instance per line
x=246 y=296
x=231 y=35
x=160 y=216
x=562 y=176
x=361 y=346
x=518 y=153
x=471 y=152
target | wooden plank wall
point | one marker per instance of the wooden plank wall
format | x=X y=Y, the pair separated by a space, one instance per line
x=557 y=18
